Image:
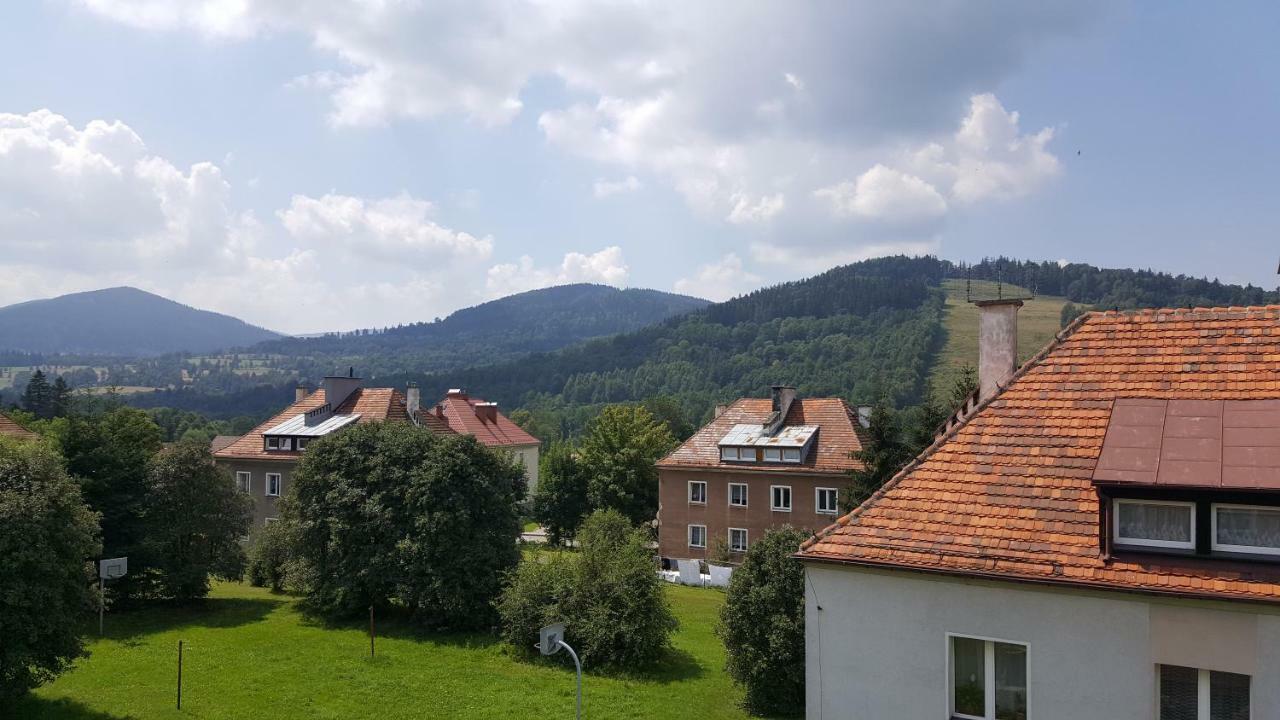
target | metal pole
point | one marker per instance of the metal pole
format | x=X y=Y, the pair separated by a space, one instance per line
x=577 y=665
x=179 y=674
x=102 y=601
x=370 y=631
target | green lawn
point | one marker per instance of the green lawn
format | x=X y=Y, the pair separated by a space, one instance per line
x=1038 y=322
x=250 y=654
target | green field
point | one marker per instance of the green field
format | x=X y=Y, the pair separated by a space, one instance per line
x=250 y=654
x=1038 y=322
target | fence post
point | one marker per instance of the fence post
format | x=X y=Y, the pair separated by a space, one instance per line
x=179 y=674
x=370 y=631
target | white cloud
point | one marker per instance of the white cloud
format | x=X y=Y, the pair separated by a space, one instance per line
x=607 y=267
x=883 y=193
x=91 y=207
x=808 y=260
x=602 y=188
x=721 y=280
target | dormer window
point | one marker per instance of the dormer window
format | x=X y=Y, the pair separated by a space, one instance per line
x=1249 y=529
x=273 y=443
x=791 y=455
x=1155 y=524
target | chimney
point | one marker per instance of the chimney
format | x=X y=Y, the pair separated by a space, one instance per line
x=337 y=388
x=720 y=410
x=457 y=392
x=439 y=410
x=864 y=416
x=301 y=392
x=412 y=399
x=997 y=344
x=487 y=411
x=783 y=396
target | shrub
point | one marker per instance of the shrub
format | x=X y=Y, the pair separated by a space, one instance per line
x=269 y=556
x=46 y=591
x=609 y=596
x=762 y=625
x=385 y=511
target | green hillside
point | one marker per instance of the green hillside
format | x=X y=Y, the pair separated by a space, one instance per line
x=1038 y=321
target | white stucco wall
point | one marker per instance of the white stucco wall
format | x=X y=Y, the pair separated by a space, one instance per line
x=878 y=647
x=528 y=454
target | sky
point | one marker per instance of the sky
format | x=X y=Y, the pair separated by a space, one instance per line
x=326 y=165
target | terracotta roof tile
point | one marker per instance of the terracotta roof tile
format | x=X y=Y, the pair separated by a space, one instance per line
x=1008 y=493
x=12 y=429
x=373 y=404
x=836 y=442
x=458 y=413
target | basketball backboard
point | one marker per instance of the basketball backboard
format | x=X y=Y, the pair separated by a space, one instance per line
x=551 y=636
x=113 y=568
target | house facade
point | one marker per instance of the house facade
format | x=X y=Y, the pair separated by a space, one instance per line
x=760 y=464
x=263 y=461
x=465 y=414
x=1096 y=537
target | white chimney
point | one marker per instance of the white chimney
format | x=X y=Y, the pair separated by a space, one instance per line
x=864 y=415
x=300 y=393
x=997 y=344
x=412 y=399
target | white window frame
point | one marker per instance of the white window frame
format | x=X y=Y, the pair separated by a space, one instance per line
x=247 y=476
x=286 y=443
x=776 y=452
x=745 y=495
x=1244 y=549
x=798 y=455
x=988 y=672
x=279 y=484
x=703 y=501
x=728 y=453
x=835 y=498
x=704 y=536
x=773 y=498
x=1204 y=701
x=302 y=444
x=745 y=539
x=1142 y=542
x=273 y=443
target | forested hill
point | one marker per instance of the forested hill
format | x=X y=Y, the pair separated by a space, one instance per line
x=534 y=321
x=861 y=331
x=120 y=321
x=1107 y=288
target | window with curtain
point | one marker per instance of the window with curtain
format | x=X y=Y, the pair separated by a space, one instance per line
x=1246 y=528
x=988 y=679
x=697 y=492
x=1155 y=523
x=1194 y=694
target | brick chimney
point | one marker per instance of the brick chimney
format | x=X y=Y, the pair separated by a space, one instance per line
x=997 y=344
x=487 y=411
x=783 y=396
x=412 y=399
x=301 y=392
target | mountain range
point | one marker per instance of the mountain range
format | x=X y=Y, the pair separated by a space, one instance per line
x=121 y=321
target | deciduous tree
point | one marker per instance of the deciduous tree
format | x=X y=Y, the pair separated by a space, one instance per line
x=619 y=451
x=560 y=501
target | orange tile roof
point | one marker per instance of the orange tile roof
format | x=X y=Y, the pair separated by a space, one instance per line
x=457 y=413
x=13 y=429
x=1008 y=492
x=833 y=453
x=373 y=404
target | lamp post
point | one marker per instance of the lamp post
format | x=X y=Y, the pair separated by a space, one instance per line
x=552 y=639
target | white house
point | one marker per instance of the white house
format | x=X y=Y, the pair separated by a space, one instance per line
x=1096 y=538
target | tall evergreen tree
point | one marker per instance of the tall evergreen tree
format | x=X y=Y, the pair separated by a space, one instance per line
x=37 y=399
x=883 y=453
x=60 y=398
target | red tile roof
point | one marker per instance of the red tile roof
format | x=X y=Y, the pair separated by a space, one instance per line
x=458 y=413
x=836 y=442
x=373 y=404
x=12 y=429
x=1008 y=493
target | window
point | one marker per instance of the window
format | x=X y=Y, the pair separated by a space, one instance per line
x=697 y=492
x=302 y=443
x=697 y=536
x=772 y=455
x=1246 y=529
x=1191 y=694
x=244 y=481
x=737 y=540
x=988 y=679
x=781 y=498
x=1155 y=523
x=273 y=484
x=825 y=500
x=737 y=494
x=273 y=443
x=791 y=455
x=728 y=453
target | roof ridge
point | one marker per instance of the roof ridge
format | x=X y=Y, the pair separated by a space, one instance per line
x=1199 y=309
x=963 y=422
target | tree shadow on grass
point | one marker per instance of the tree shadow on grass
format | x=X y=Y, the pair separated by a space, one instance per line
x=673 y=667
x=398 y=623
x=128 y=625
x=36 y=708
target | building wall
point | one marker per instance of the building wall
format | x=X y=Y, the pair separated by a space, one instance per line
x=528 y=454
x=263 y=506
x=878 y=646
x=676 y=513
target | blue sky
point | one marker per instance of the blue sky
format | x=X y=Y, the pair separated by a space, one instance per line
x=342 y=164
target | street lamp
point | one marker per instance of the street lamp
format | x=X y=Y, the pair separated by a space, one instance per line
x=552 y=637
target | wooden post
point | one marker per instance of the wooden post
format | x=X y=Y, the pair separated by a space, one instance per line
x=179 y=674
x=370 y=631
